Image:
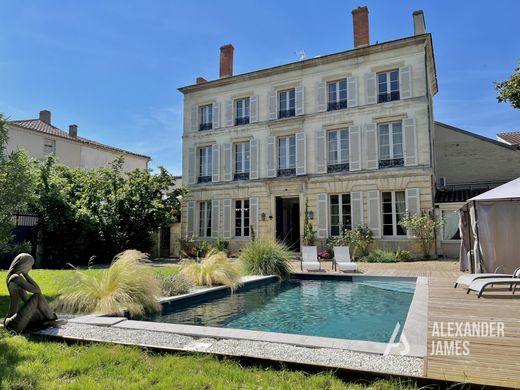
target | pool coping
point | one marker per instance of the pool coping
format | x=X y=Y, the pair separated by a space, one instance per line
x=412 y=342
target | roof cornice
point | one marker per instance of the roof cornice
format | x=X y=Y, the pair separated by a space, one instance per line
x=322 y=60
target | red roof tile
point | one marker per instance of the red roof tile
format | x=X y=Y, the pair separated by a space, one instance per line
x=43 y=127
x=513 y=137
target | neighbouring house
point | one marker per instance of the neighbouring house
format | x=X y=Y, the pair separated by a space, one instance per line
x=512 y=138
x=40 y=138
x=350 y=133
x=467 y=165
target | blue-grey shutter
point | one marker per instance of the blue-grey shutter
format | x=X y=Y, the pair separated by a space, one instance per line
x=301 y=153
x=322 y=212
x=355 y=148
x=215 y=175
x=374 y=212
x=190 y=223
x=370 y=88
x=352 y=91
x=410 y=142
x=321 y=96
x=227 y=218
x=253 y=159
x=253 y=109
x=227 y=162
x=229 y=113
x=215 y=218
x=320 y=153
x=405 y=82
x=253 y=214
x=356 y=208
x=216 y=115
x=192 y=165
x=194 y=121
x=299 y=99
x=271 y=156
x=371 y=152
x=272 y=104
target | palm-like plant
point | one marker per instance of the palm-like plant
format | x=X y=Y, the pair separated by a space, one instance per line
x=214 y=269
x=124 y=288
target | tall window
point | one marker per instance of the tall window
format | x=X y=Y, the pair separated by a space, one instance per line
x=337 y=92
x=242 y=218
x=287 y=103
x=287 y=156
x=205 y=164
x=338 y=148
x=387 y=86
x=242 y=111
x=394 y=209
x=206 y=117
x=49 y=147
x=390 y=145
x=205 y=219
x=242 y=161
x=340 y=214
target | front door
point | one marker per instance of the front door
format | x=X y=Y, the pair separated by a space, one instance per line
x=288 y=222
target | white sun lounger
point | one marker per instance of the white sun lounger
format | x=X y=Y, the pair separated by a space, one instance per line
x=342 y=259
x=466 y=280
x=310 y=258
x=481 y=284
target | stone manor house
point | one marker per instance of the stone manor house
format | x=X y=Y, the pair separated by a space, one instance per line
x=351 y=135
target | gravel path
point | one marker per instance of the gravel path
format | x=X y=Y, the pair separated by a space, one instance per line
x=395 y=364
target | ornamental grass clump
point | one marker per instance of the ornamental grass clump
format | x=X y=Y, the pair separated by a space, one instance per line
x=214 y=269
x=266 y=257
x=126 y=288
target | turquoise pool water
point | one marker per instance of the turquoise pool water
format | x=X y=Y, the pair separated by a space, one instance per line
x=360 y=310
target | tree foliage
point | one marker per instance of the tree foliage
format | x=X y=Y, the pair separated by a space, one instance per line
x=101 y=212
x=423 y=226
x=17 y=183
x=509 y=90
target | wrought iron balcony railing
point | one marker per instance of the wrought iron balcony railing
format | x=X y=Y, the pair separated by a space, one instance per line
x=205 y=126
x=332 y=106
x=242 y=121
x=331 y=168
x=286 y=113
x=391 y=163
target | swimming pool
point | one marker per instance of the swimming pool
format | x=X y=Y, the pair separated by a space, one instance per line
x=356 y=309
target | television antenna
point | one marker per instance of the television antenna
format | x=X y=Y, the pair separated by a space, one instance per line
x=301 y=54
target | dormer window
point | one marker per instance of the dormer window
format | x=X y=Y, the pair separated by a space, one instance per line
x=242 y=111
x=286 y=103
x=206 y=117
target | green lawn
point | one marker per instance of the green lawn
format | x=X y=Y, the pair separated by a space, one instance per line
x=26 y=363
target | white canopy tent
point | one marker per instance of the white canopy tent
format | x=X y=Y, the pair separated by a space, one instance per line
x=490 y=230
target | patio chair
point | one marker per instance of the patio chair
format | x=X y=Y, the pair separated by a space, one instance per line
x=310 y=259
x=481 y=284
x=342 y=259
x=466 y=280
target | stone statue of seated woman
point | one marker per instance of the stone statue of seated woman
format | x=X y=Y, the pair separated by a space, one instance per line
x=25 y=311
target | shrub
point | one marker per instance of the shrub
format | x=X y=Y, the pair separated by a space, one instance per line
x=359 y=239
x=220 y=245
x=188 y=246
x=266 y=257
x=309 y=235
x=202 y=249
x=172 y=285
x=124 y=288
x=403 y=255
x=423 y=225
x=380 y=256
x=214 y=269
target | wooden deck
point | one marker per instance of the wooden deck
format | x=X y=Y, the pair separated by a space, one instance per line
x=491 y=361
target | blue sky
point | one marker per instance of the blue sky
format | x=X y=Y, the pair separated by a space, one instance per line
x=113 y=67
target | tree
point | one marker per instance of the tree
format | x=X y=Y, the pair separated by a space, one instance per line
x=509 y=90
x=102 y=211
x=17 y=183
x=423 y=226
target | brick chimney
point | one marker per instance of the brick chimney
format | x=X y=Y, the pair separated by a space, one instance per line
x=201 y=80
x=361 y=30
x=45 y=116
x=419 y=26
x=73 y=131
x=226 y=60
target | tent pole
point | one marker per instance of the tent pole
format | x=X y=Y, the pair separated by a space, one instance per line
x=478 y=238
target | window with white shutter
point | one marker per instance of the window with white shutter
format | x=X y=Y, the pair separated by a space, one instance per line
x=242 y=161
x=394 y=209
x=352 y=91
x=205 y=164
x=355 y=148
x=216 y=115
x=301 y=153
x=271 y=102
x=253 y=101
x=254 y=158
x=215 y=218
x=322 y=230
x=370 y=88
x=242 y=113
x=410 y=142
x=271 y=156
x=286 y=103
x=337 y=95
x=215 y=155
x=227 y=162
x=320 y=151
x=300 y=100
x=321 y=96
x=242 y=218
x=405 y=82
x=192 y=164
x=190 y=225
x=388 y=86
x=205 y=219
x=287 y=156
x=340 y=214
x=206 y=117
x=338 y=150
x=390 y=145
